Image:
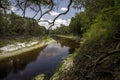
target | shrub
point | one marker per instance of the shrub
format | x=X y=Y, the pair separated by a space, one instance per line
x=105 y=26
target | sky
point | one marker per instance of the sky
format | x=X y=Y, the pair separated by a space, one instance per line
x=61 y=7
x=65 y=19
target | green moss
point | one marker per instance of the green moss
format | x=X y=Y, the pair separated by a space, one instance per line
x=40 y=77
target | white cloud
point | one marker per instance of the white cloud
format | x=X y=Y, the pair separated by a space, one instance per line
x=13 y=8
x=63 y=9
x=57 y=23
x=41 y=19
x=45 y=24
x=53 y=13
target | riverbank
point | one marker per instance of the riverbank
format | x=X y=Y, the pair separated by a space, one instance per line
x=64 y=67
x=40 y=44
x=11 y=40
x=66 y=64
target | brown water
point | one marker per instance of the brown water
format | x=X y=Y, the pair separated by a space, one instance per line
x=26 y=66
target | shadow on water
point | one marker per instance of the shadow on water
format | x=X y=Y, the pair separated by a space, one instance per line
x=67 y=42
x=18 y=63
x=43 y=60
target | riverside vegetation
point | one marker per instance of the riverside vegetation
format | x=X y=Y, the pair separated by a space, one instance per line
x=98 y=31
x=98 y=57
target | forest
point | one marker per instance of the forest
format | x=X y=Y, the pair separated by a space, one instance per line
x=96 y=30
x=13 y=25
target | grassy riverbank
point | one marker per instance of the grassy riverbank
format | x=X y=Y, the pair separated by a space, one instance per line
x=66 y=64
x=64 y=67
x=40 y=44
x=99 y=55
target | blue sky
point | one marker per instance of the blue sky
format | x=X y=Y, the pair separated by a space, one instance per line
x=61 y=7
x=64 y=19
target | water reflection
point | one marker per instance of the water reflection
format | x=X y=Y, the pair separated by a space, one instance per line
x=17 y=63
x=66 y=42
x=28 y=65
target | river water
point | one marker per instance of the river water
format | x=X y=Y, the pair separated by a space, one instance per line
x=40 y=61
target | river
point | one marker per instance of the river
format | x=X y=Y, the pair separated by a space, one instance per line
x=40 y=61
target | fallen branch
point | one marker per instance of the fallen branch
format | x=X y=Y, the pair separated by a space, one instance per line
x=107 y=55
x=118 y=46
x=117 y=38
x=101 y=58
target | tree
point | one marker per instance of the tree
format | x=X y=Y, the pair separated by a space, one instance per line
x=36 y=6
x=75 y=26
x=61 y=30
x=13 y=25
x=91 y=7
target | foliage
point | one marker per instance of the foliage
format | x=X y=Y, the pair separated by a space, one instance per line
x=94 y=12
x=61 y=30
x=75 y=26
x=101 y=38
x=106 y=24
x=14 y=25
x=79 y=24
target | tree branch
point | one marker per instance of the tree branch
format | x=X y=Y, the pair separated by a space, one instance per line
x=1 y=6
x=108 y=54
x=24 y=10
x=23 y=5
x=68 y=8
x=100 y=60
x=19 y=4
x=52 y=5
x=40 y=10
x=45 y=21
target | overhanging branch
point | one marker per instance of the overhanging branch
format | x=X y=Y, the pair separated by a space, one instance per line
x=52 y=23
x=68 y=8
x=23 y=4
x=51 y=8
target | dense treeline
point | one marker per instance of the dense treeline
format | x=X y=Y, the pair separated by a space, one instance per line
x=12 y=25
x=60 y=30
x=99 y=16
x=98 y=57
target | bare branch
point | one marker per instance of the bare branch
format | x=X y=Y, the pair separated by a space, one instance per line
x=1 y=6
x=68 y=8
x=39 y=11
x=52 y=5
x=19 y=4
x=24 y=8
x=117 y=38
x=101 y=59
x=45 y=21
x=52 y=23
